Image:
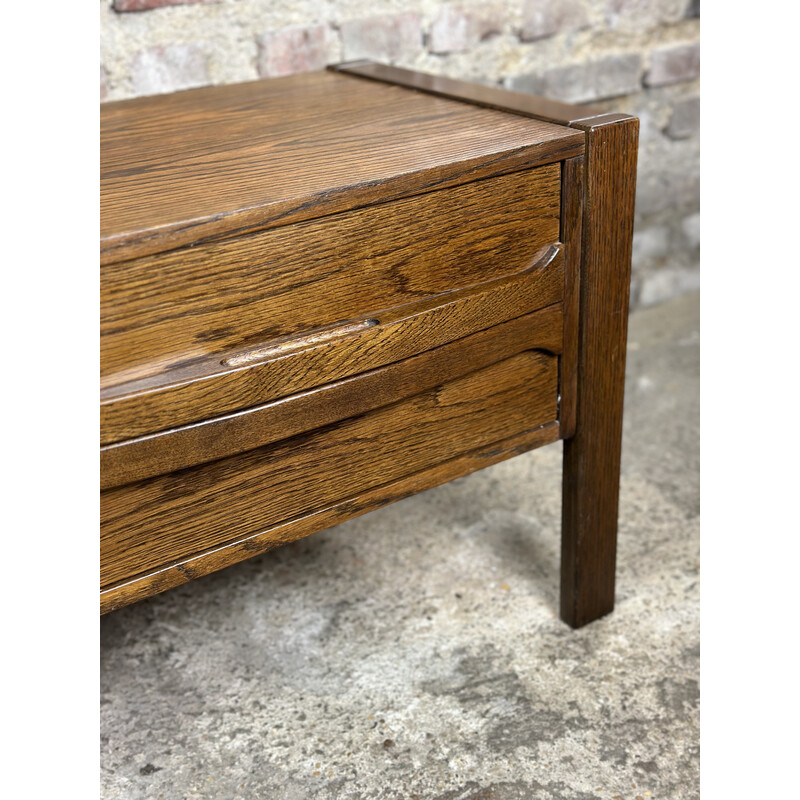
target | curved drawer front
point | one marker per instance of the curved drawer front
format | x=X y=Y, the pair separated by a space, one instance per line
x=226 y=435
x=152 y=523
x=162 y=311
x=239 y=379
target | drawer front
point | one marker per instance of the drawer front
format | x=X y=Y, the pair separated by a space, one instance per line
x=229 y=434
x=161 y=311
x=241 y=379
x=154 y=522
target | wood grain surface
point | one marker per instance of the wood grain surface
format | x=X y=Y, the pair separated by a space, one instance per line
x=160 y=311
x=208 y=388
x=152 y=582
x=476 y=94
x=323 y=293
x=571 y=222
x=224 y=161
x=147 y=524
x=592 y=454
x=179 y=448
x=593 y=416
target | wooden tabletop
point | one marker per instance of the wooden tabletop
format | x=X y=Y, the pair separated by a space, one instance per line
x=220 y=161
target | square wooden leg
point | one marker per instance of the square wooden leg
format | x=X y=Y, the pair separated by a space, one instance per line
x=592 y=453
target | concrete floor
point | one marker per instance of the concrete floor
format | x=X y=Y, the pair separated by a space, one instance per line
x=416 y=652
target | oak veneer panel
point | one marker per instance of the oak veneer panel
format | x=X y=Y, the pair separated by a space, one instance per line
x=182 y=396
x=178 y=306
x=198 y=564
x=146 y=525
x=213 y=167
x=179 y=448
x=222 y=161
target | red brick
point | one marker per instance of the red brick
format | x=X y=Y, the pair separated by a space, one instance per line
x=456 y=28
x=674 y=65
x=642 y=15
x=291 y=50
x=547 y=17
x=610 y=76
x=146 y=5
x=169 y=69
x=452 y=31
x=387 y=37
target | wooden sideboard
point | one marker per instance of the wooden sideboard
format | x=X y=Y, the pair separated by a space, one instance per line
x=324 y=293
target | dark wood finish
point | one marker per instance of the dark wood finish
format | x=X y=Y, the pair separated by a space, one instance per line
x=330 y=291
x=147 y=525
x=125 y=592
x=159 y=311
x=206 y=389
x=592 y=455
x=527 y=105
x=216 y=438
x=571 y=221
x=229 y=160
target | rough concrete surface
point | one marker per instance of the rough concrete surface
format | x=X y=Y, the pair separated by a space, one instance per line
x=416 y=652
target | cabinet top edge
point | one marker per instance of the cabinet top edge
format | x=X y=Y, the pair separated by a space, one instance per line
x=495 y=97
x=224 y=161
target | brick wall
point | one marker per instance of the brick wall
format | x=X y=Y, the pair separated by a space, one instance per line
x=636 y=56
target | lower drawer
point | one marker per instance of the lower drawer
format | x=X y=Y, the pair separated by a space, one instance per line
x=154 y=522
